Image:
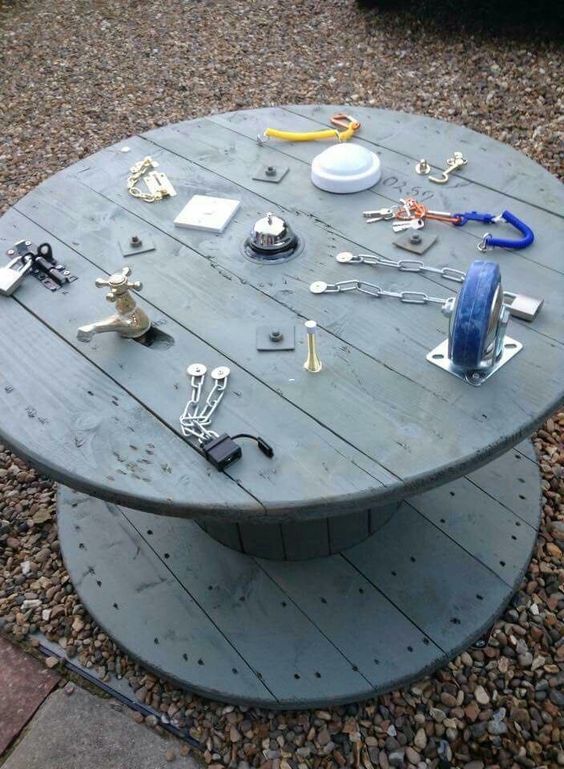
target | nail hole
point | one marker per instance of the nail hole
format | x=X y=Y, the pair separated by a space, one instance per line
x=155 y=640
x=317 y=674
x=517 y=456
x=412 y=559
x=259 y=675
x=376 y=662
x=513 y=536
x=394 y=573
x=167 y=555
x=210 y=587
x=521 y=480
x=355 y=668
x=82 y=546
x=443 y=520
x=425 y=641
x=242 y=599
x=149 y=531
x=200 y=661
x=323 y=600
x=455 y=621
x=234 y=671
x=479 y=597
x=517 y=523
x=522 y=496
x=116 y=606
x=296 y=676
x=361 y=590
x=283 y=603
x=185 y=657
x=452 y=493
x=99 y=582
x=502 y=563
x=410 y=648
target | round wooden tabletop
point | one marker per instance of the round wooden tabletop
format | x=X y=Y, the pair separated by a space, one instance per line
x=379 y=423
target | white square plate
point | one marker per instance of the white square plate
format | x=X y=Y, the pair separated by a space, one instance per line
x=202 y=212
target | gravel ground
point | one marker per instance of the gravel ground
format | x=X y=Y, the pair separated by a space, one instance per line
x=77 y=76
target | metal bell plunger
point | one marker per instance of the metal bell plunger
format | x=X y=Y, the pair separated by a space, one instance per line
x=271 y=240
x=477 y=345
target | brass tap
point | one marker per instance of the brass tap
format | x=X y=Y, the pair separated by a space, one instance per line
x=312 y=363
x=130 y=320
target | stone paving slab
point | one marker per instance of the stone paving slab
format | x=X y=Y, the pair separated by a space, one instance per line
x=82 y=731
x=24 y=684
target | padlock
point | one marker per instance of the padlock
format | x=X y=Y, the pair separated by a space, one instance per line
x=522 y=306
x=11 y=276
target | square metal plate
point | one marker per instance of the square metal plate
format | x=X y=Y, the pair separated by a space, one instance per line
x=425 y=242
x=270 y=173
x=287 y=340
x=128 y=250
x=439 y=357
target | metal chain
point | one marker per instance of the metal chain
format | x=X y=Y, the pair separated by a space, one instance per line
x=403 y=265
x=365 y=287
x=137 y=172
x=193 y=420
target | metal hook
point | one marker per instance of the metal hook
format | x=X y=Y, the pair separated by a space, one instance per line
x=345 y=121
x=456 y=161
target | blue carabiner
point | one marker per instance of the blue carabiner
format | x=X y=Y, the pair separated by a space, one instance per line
x=488 y=241
x=472 y=216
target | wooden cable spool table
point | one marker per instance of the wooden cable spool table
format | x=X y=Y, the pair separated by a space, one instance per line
x=399 y=512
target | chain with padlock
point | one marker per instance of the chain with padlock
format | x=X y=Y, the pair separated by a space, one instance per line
x=219 y=449
x=520 y=305
x=28 y=259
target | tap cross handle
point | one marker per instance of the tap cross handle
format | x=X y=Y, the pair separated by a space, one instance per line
x=118 y=284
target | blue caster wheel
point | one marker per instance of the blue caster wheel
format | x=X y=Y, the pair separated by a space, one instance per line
x=474 y=325
x=477 y=345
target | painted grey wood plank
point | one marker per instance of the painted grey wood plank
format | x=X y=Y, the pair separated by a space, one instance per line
x=72 y=422
x=264 y=539
x=306 y=539
x=233 y=590
x=309 y=464
x=133 y=596
x=527 y=448
x=378 y=639
x=346 y=531
x=514 y=494
x=446 y=595
x=438 y=383
x=226 y=533
x=400 y=180
x=489 y=532
x=511 y=171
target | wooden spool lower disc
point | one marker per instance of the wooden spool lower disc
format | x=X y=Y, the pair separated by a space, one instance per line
x=302 y=634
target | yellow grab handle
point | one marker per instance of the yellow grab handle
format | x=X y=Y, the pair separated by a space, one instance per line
x=308 y=136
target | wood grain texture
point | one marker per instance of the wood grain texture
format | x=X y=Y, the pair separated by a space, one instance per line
x=379 y=423
x=301 y=634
